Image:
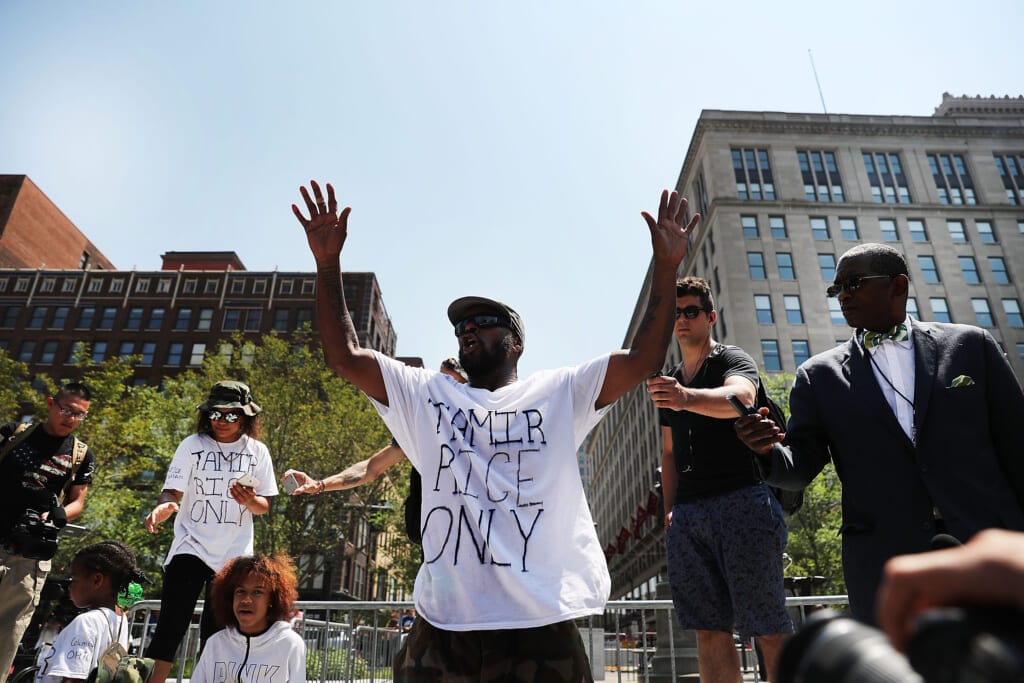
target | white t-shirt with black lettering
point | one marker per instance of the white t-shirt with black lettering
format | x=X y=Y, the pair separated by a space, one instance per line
x=210 y=524
x=76 y=650
x=508 y=539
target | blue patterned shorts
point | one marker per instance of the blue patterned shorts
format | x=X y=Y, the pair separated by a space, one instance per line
x=725 y=563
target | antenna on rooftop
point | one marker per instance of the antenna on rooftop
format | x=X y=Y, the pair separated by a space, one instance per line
x=822 y=96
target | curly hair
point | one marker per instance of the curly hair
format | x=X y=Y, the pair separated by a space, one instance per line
x=699 y=287
x=251 y=425
x=278 y=575
x=114 y=560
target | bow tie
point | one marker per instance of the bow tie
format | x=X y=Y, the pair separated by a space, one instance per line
x=896 y=334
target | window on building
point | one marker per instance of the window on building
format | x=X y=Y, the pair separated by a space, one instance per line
x=700 y=191
x=27 y=351
x=1020 y=227
x=259 y=286
x=11 y=315
x=917 y=231
x=848 y=229
x=753 y=174
x=117 y=285
x=778 y=227
x=835 y=312
x=763 y=307
x=205 y=321
x=232 y=319
x=912 y=308
x=985 y=233
x=163 y=285
x=253 y=319
x=142 y=285
x=38 y=317
x=784 y=262
x=3 y=284
x=184 y=319
x=1011 y=171
x=970 y=270
x=820 y=175
x=83 y=261
x=956 y=232
x=1020 y=352
x=48 y=284
x=237 y=286
x=999 y=272
x=99 y=351
x=174 y=351
x=305 y=315
x=21 y=284
x=285 y=287
x=770 y=353
x=225 y=350
x=886 y=177
x=210 y=286
x=801 y=351
x=86 y=317
x=1011 y=307
x=819 y=228
x=48 y=353
x=156 y=319
x=69 y=285
x=191 y=285
x=107 y=316
x=940 y=310
x=60 y=317
x=281 y=320
x=127 y=348
x=794 y=314
x=982 y=312
x=248 y=354
x=888 y=228
x=827 y=266
x=755 y=263
x=76 y=352
x=198 y=352
x=148 y=352
x=749 y=224
x=95 y=286
x=929 y=271
x=952 y=179
x=308 y=285
x=134 y=321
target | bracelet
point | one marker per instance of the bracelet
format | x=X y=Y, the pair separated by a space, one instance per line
x=321 y=487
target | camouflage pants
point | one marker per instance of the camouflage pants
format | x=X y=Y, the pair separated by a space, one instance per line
x=545 y=654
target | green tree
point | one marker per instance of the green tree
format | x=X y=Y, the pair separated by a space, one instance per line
x=814 y=542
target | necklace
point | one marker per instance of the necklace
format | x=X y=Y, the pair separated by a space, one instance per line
x=234 y=456
x=705 y=352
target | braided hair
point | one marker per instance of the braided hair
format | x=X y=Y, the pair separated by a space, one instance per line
x=112 y=559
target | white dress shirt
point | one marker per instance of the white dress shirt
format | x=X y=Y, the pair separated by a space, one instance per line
x=893 y=365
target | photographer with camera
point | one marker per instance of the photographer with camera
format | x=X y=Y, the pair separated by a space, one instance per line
x=45 y=473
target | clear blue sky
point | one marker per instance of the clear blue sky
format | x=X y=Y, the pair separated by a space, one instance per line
x=495 y=148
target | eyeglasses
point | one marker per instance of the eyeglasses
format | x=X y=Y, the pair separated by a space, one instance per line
x=67 y=412
x=690 y=312
x=230 y=418
x=481 y=320
x=852 y=284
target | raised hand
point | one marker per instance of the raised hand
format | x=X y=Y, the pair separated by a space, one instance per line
x=326 y=230
x=670 y=239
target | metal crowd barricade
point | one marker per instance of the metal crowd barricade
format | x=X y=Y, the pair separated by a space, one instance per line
x=350 y=642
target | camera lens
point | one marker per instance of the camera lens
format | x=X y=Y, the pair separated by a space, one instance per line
x=830 y=648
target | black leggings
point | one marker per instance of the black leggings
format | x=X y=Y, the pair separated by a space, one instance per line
x=184 y=577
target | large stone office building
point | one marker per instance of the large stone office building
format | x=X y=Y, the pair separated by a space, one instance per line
x=782 y=196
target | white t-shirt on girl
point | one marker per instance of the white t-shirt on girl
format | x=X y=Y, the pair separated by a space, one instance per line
x=210 y=524
x=76 y=650
x=276 y=656
x=508 y=539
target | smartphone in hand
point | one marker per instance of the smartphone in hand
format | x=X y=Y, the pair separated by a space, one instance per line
x=739 y=407
x=248 y=480
x=290 y=483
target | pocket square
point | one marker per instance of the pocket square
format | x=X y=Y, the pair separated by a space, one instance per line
x=961 y=381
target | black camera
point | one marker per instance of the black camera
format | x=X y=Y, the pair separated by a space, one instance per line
x=951 y=645
x=34 y=537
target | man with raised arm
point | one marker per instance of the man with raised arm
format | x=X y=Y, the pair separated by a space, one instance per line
x=510 y=552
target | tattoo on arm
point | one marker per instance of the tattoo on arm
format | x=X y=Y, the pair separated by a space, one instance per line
x=336 y=296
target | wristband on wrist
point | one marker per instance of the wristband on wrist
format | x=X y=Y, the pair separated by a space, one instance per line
x=321 y=487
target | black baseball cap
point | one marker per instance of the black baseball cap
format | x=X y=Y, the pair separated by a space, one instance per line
x=458 y=308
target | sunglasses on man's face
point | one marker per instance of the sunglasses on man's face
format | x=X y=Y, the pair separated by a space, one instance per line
x=690 y=312
x=851 y=284
x=481 y=320
x=230 y=418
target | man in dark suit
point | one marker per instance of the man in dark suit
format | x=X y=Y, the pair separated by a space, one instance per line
x=923 y=422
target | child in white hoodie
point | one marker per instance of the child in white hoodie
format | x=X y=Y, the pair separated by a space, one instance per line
x=253 y=598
